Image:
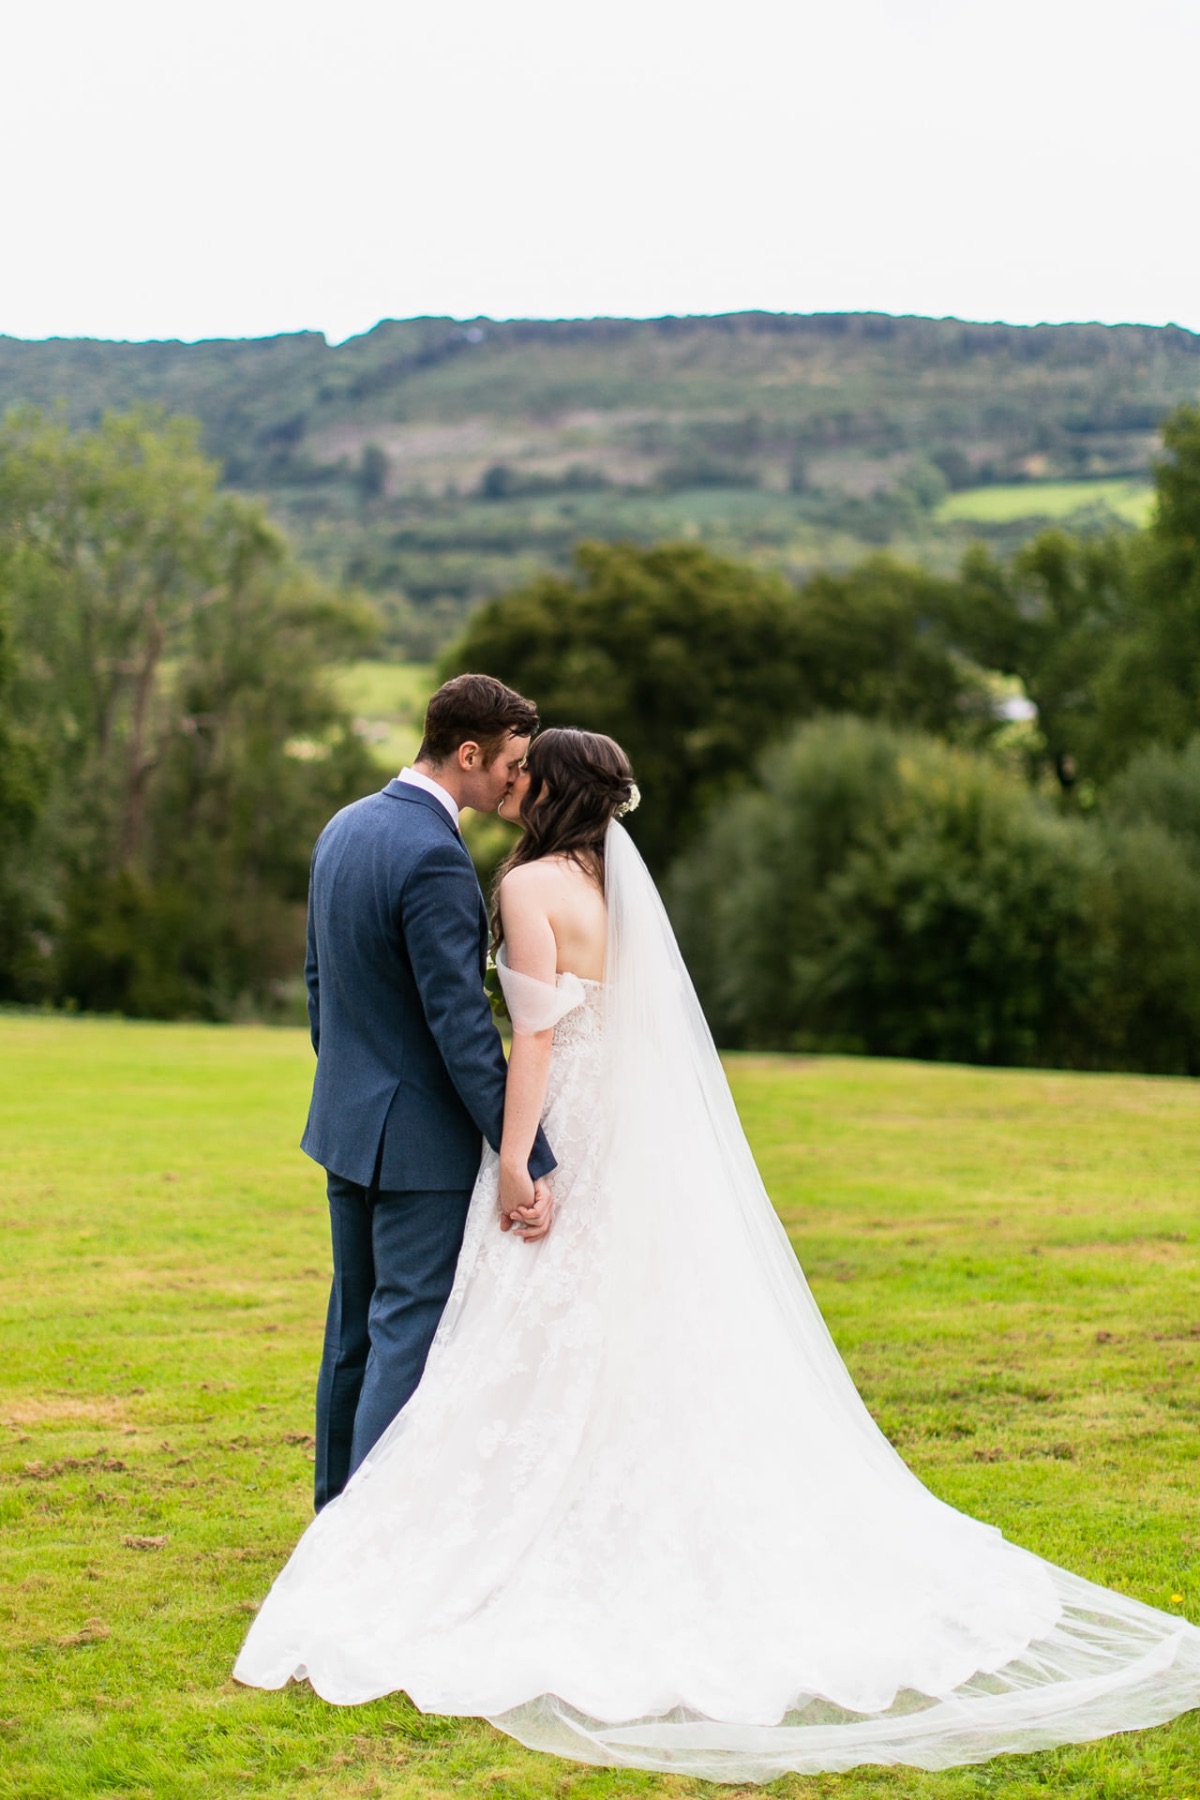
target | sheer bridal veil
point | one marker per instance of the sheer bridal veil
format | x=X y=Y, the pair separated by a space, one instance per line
x=770 y=1588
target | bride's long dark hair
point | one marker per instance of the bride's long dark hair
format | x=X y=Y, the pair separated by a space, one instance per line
x=577 y=781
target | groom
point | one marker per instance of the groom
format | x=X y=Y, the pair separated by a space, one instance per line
x=410 y=1068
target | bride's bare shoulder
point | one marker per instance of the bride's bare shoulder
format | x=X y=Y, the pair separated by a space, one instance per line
x=547 y=874
x=528 y=878
x=554 y=899
x=529 y=889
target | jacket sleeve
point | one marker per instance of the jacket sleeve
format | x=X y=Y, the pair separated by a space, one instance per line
x=439 y=916
x=311 y=974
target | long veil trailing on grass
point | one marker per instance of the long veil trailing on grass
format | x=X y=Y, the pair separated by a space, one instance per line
x=783 y=1594
x=636 y=1512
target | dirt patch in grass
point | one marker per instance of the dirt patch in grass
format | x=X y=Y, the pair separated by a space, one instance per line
x=32 y=1410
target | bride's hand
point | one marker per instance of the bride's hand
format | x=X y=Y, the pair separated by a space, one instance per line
x=516 y=1192
x=531 y=1221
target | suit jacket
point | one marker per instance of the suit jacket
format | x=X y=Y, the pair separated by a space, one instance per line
x=410 y=1067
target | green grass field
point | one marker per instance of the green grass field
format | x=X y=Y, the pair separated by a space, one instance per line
x=1007 y=1260
x=1130 y=501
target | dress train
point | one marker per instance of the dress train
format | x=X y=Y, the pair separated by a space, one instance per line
x=636 y=1512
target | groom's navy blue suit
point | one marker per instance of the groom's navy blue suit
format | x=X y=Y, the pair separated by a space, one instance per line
x=410 y=1080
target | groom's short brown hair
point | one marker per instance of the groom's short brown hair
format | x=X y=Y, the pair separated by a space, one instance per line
x=475 y=709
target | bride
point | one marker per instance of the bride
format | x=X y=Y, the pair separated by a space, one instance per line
x=636 y=1512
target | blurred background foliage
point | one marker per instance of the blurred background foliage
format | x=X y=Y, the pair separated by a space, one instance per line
x=941 y=805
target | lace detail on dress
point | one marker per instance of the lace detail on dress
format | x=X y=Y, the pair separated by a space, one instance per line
x=582 y=1024
x=467 y=1471
x=635 y=1512
x=571 y=1118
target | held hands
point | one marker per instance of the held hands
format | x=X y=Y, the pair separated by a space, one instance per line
x=526 y=1206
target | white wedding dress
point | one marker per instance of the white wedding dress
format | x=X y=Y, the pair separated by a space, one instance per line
x=636 y=1512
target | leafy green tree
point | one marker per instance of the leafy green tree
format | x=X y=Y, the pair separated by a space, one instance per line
x=173 y=670
x=21 y=779
x=686 y=659
x=1160 y=786
x=499 y=482
x=372 y=474
x=1151 y=1014
x=104 y=555
x=1150 y=691
x=693 y=662
x=924 y=483
x=871 y=642
x=1051 y=617
x=884 y=893
x=1150 y=813
x=1104 y=632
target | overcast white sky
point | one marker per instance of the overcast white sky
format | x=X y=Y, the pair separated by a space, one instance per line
x=254 y=166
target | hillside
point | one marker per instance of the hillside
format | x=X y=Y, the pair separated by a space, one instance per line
x=436 y=462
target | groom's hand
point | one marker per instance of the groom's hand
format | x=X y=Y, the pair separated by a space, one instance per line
x=534 y=1220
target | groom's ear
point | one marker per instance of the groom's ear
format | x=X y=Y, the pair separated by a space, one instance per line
x=469 y=755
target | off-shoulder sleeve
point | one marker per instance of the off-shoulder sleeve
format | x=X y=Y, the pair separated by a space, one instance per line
x=538 y=1005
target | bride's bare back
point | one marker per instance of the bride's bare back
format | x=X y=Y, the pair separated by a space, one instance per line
x=554 y=920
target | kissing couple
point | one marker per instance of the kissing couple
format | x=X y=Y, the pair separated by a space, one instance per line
x=588 y=1462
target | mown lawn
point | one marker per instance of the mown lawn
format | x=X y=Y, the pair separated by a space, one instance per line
x=1008 y=1260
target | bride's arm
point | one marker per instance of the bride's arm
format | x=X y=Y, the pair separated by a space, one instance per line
x=530 y=949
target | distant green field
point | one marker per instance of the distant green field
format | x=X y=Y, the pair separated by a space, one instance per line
x=388 y=699
x=1131 y=501
x=1009 y=1262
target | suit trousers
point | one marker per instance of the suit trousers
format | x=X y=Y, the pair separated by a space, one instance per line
x=394 y=1255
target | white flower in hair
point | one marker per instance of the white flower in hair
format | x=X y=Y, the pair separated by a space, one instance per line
x=633 y=802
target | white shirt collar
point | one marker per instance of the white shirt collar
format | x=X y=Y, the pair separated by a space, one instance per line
x=413 y=778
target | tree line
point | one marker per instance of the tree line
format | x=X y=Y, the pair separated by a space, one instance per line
x=862 y=849
x=863 y=843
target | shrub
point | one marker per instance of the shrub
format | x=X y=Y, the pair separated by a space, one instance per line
x=1152 y=825
x=881 y=892
x=1151 y=1016
x=1161 y=787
